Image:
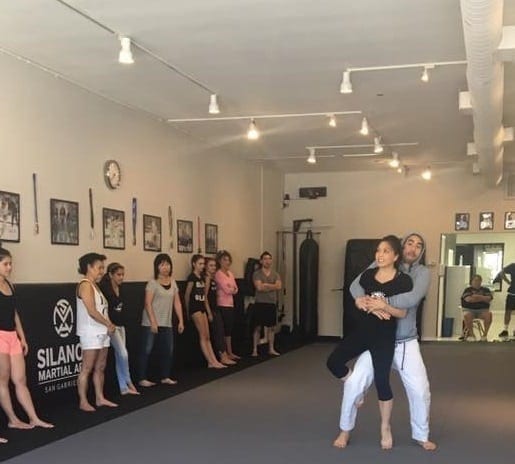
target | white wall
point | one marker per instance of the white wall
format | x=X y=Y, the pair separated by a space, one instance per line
x=65 y=134
x=375 y=203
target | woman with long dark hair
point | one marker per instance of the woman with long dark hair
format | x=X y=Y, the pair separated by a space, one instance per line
x=375 y=330
x=111 y=286
x=161 y=299
x=13 y=349
x=194 y=299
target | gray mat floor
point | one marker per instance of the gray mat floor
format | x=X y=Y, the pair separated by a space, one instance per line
x=286 y=411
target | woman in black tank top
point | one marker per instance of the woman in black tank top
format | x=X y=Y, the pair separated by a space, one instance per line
x=13 y=349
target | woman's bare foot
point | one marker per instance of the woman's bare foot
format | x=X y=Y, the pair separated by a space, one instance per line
x=227 y=361
x=146 y=383
x=20 y=425
x=106 y=402
x=342 y=440
x=168 y=381
x=234 y=357
x=428 y=445
x=254 y=354
x=274 y=353
x=386 y=438
x=216 y=365
x=3 y=440
x=39 y=423
x=86 y=407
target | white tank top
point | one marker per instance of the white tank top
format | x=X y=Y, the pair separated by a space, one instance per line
x=86 y=325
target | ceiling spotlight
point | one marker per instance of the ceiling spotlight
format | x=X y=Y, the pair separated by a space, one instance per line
x=346 y=86
x=125 y=56
x=364 y=127
x=425 y=74
x=253 y=133
x=378 y=148
x=312 y=159
x=213 y=104
x=426 y=174
x=394 y=162
x=332 y=120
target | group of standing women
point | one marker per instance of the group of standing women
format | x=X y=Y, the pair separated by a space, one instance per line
x=102 y=316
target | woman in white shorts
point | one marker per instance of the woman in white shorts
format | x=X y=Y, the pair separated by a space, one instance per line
x=93 y=328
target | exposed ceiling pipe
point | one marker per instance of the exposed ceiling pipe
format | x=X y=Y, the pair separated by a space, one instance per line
x=482 y=27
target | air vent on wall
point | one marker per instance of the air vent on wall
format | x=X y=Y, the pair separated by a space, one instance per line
x=312 y=192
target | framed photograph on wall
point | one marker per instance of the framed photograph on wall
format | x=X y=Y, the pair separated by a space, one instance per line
x=113 y=227
x=151 y=233
x=462 y=221
x=184 y=236
x=211 y=238
x=486 y=220
x=9 y=217
x=64 y=222
x=509 y=220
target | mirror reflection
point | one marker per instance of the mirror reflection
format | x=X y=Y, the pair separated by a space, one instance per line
x=474 y=309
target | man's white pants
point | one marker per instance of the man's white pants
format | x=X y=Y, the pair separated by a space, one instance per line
x=407 y=360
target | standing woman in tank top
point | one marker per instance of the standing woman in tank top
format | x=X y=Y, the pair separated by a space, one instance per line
x=13 y=349
x=161 y=298
x=93 y=328
x=111 y=286
x=216 y=323
x=226 y=288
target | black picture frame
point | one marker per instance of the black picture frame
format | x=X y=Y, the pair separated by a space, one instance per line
x=461 y=221
x=9 y=217
x=113 y=228
x=211 y=239
x=486 y=220
x=509 y=220
x=64 y=222
x=184 y=236
x=151 y=233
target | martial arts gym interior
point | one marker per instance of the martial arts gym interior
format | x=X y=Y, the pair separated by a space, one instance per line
x=257 y=231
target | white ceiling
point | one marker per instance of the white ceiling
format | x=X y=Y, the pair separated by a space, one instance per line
x=271 y=56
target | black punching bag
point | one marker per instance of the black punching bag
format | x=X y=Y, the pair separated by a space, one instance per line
x=308 y=286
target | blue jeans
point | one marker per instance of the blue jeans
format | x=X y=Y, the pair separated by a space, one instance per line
x=164 y=342
x=122 y=358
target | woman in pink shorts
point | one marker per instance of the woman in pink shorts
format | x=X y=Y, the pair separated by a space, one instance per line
x=13 y=349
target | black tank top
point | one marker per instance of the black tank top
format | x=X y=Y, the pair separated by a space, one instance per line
x=211 y=294
x=7 y=310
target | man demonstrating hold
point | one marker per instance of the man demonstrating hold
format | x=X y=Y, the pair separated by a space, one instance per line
x=407 y=357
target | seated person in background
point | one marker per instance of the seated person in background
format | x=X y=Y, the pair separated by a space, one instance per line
x=475 y=302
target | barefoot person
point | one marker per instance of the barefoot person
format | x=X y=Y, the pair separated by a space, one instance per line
x=111 y=286
x=267 y=283
x=161 y=298
x=194 y=299
x=13 y=349
x=216 y=323
x=93 y=328
x=375 y=328
x=407 y=359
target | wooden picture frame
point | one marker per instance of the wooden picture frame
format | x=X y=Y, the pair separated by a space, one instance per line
x=509 y=220
x=64 y=222
x=113 y=228
x=184 y=236
x=151 y=233
x=211 y=239
x=9 y=217
x=486 y=220
x=461 y=221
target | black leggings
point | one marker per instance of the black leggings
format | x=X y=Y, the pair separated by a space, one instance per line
x=381 y=348
x=217 y=332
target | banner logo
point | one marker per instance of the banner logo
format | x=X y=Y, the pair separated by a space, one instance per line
x=63 y=318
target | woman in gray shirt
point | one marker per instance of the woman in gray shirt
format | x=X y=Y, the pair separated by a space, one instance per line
x=161 y=298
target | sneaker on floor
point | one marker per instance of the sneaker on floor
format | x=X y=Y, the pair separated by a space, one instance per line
x=504 y=334
x=470 y=338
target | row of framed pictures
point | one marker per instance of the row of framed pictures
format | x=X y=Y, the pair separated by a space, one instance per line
x=64 y=227
x=486 y=221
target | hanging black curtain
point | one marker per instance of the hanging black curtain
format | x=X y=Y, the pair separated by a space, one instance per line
x=308 y=286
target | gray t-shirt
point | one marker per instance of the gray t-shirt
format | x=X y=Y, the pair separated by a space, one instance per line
x=162 y=303
x=266 y=297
